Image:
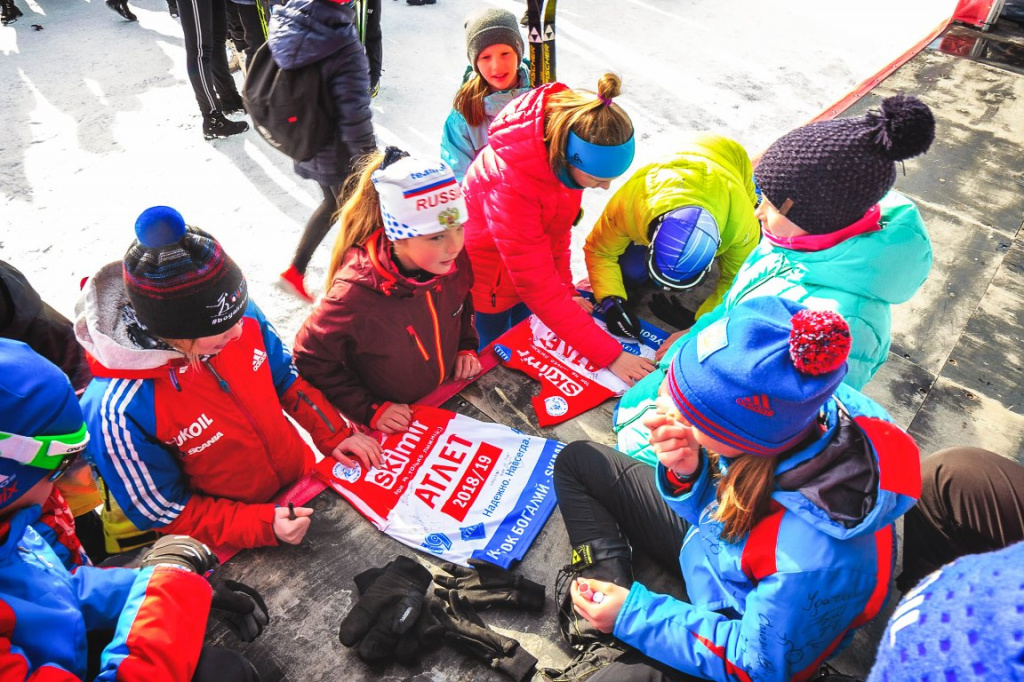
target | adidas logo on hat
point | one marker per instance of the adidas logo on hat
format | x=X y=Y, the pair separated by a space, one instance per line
x=757 y=403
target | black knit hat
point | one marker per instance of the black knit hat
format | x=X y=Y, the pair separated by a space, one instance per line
x=825 y=176
x=180 y=282
x=488 y=27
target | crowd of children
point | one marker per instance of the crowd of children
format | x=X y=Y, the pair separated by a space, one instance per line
x=749 y=464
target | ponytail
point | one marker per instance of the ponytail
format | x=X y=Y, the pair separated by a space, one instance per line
x=744 y=494
x=594 y=118
x=469 y=100
x=359 y=216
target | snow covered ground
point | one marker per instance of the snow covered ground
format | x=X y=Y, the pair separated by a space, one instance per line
x=99 y=122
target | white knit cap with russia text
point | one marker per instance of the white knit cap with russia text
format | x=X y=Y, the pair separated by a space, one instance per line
x=418 y=198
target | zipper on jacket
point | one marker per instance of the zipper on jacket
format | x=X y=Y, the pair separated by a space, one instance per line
x=437 y=337
x=494 y=289
x=303 y=397
x=419 y=344
x=174 y=379
x=248 y=416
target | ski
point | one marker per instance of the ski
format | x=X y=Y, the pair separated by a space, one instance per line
x=361 y=19
x=548 y=42
x=541 y=26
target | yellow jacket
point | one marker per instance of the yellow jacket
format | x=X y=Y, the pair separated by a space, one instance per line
x=712 y=172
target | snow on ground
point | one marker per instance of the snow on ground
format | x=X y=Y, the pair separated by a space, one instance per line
x=99 y=121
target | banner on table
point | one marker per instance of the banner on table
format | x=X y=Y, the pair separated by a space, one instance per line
x=456 y=487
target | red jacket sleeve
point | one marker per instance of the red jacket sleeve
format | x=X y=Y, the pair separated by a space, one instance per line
x=519 y=234
x=218 y=521
x=310 y=408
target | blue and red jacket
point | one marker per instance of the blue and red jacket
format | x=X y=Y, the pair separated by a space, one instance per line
x=780 y=601
x=46 y=611
x=197 y=450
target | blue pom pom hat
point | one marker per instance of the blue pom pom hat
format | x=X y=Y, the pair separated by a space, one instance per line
x=179 y=279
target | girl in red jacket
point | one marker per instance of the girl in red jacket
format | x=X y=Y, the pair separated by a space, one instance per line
x=191 y=384
x=523 y=192
x=397 y=320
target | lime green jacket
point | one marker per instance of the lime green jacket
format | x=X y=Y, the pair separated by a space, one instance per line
x=712 y=172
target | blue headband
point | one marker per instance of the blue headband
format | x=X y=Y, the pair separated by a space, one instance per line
x=599 y=160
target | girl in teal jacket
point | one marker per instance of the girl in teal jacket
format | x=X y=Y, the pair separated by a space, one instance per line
x=835 y=238
x=494 y=78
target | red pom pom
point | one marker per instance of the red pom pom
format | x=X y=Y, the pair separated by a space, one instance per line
x=819 y=342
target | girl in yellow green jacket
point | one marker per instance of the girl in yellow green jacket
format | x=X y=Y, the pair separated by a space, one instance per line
x=675 y=217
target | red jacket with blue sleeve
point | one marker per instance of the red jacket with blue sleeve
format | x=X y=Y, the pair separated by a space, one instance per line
x=777 y=603
x=198 y=450
x=46 y=611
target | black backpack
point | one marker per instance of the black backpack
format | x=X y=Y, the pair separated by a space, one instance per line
x=287 y=106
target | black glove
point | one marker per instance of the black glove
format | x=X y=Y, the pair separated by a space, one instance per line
x=671 y=311
x=240 y=607
x=387 y=610
x=489 y=585
x=465 y=630
x=181 y=550
x=423 y=637
x=620 y=322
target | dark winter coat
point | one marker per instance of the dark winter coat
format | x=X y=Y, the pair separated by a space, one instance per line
x=302 y=32
x=379 y=337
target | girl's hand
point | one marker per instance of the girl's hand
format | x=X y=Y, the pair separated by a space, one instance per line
x=584 y=303
x=467 y=366
x=395 y=418
x=291 y=530
x=367 y=449
x=630 y=368
x=663 y=348
x=672 y=438
x=601 y=615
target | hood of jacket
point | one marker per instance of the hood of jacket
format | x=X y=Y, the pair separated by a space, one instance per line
x=101 y=329
x=836 y=483
x=302 y=32
x=370 y=266
x=889 y=265
x=516 y=136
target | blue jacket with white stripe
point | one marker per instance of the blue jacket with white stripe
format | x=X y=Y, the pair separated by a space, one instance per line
x=777 y=603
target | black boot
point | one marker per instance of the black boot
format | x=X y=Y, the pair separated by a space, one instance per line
x=608 y=560
x=216 y=125
x=121 y=7
x=9 y=12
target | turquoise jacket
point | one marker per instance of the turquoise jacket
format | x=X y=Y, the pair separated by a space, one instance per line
x=461 y=142
x=860 y=278
x=779 y=601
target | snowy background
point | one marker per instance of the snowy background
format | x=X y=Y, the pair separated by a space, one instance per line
x=99 y=121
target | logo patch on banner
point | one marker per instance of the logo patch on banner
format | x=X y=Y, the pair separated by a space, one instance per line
x=712 y=338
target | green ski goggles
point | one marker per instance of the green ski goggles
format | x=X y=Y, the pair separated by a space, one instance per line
x=44 y=452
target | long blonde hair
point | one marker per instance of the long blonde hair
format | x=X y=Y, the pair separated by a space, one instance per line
x=744 y=494
x=359 y=216
x=594 y=118
x=469 y=100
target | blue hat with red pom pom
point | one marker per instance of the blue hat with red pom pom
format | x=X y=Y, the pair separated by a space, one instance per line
x=756 y=379
x=179 y=279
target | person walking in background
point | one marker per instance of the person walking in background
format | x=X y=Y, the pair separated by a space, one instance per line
x=523 y=192
x=305 y=32
x=495 y=76
x=397 y=320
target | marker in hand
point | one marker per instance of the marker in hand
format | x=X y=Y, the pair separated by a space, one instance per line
x=291 y=511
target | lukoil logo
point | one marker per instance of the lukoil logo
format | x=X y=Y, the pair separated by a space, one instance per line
x=193 y=430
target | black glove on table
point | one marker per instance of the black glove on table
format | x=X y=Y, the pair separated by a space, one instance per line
x=619 y=321
x=671 y=312
x=466 y=631
x=389 y=608
x=240 y=607
x=489 y=585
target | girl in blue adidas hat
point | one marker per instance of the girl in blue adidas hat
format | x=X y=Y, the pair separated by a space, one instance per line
x=774 y=500
x=192 y=385
x=397 y=320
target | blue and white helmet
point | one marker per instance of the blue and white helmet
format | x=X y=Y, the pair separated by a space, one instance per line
x=683 y=248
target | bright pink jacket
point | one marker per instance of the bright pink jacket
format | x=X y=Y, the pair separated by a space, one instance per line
x=520 y=225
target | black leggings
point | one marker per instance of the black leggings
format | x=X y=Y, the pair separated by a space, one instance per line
x=317 y=227
x=204 y=24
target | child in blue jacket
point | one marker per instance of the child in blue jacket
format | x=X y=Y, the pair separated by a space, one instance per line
x=776 y=493
x=494 y=78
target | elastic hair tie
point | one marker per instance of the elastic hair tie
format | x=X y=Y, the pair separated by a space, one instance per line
x=607 y=101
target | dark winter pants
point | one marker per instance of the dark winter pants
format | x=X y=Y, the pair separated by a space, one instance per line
x=204 y=24
x=317 y=227
x=972 y=501
x=254 y=27
x=490 y=326
x=374 y=41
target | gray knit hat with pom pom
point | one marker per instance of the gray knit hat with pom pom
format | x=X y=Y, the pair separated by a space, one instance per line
x=825 y=176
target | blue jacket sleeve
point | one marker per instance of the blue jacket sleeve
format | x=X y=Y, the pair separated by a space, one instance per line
x=456 y=145
x=102 y=594
x=790 y=623
x=282 y=368
x=689 y=504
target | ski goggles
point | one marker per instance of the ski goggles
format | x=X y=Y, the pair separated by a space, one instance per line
x=53 y=453
x=599 y=160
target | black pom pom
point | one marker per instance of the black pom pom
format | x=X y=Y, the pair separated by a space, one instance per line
x=906 y=127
